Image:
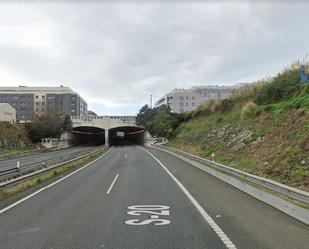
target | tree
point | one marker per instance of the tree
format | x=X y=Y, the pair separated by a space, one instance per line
x=51 y=125
x=159 y=121
x=145 y=113
x=67 y=123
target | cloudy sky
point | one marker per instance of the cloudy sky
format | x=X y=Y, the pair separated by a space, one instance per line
x=116 y=55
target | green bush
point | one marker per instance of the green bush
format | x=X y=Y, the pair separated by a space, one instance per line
x=202 y=112
x=226 y=105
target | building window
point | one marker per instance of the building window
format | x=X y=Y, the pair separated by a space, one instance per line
x=193 y=98
x=187 y=104
x=181 y=104
x=187 y=97
x=181 y=98
x=193 y=104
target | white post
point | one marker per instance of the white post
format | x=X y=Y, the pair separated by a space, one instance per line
x=106 y=137
x=213 y=157
x=18 y=167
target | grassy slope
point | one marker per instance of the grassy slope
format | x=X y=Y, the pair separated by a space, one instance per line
x=273 y=142
x=13 y=137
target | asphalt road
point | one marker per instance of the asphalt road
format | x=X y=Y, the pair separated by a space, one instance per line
x=103 y=206
x=52 y=156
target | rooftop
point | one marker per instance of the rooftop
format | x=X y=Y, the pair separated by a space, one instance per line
x=43 y=89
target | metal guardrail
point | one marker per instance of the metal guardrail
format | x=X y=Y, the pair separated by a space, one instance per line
x=43 y=165
x=21 y=169
x=290 y=192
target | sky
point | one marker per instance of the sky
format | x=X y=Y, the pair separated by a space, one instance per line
x=115 y=55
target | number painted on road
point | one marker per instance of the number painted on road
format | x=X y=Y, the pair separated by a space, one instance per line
x=155 y=211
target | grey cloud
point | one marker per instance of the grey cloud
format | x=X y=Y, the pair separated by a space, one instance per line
x=118 y=54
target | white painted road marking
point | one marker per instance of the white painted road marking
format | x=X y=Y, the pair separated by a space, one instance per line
x=149 y=209
x=50 y=185
x=224 y=238
x=111 y=186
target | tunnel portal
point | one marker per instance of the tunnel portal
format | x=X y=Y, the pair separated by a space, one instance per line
x=88 y=135
x=126 y=135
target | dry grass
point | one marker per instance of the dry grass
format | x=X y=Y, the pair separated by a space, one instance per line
x=247 y=109
x=207 y=107
x=249 y=91
x=211 y=105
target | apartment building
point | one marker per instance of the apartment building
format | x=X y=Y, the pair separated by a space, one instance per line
x=31 y=102
x=186 y=100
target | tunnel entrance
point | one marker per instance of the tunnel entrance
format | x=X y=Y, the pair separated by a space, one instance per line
x=126 y=135
x=88 y=135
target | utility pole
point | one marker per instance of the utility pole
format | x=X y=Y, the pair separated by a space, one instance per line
x=151 y=101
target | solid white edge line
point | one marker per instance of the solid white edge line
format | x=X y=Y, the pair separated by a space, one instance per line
x=224 y=238
x=111 y=186
x=50 y=185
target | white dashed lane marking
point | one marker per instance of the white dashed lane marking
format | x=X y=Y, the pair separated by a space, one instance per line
x=111 y=186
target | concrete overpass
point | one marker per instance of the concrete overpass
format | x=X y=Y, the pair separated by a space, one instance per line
x=110 y=129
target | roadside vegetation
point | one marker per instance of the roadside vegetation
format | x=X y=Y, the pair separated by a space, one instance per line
x=160 y=121
x=48 y=126
x=23 y=139
x=262 y=129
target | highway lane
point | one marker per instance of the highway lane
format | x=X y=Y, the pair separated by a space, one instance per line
x=248 y=222
x=52 y=155
x=98 y=207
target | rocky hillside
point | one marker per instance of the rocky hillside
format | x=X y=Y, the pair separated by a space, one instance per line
x=263 y=130
x=271 y=145
x=13 y=136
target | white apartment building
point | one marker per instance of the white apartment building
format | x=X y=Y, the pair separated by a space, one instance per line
x=186 y=100
x=7 y=113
